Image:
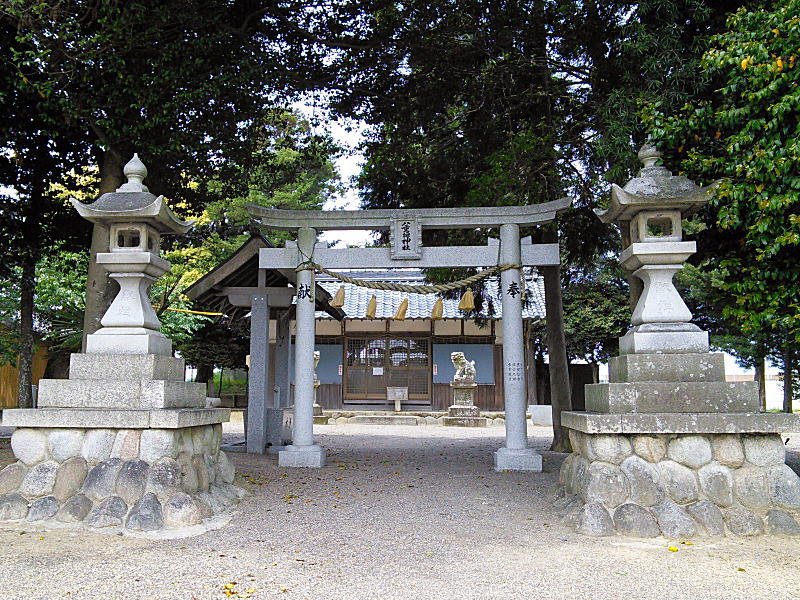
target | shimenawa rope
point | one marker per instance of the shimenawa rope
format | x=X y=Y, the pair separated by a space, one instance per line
x=409 y=289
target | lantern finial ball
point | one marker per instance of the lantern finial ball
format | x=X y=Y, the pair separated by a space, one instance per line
x=649 y=155
x=135 y=171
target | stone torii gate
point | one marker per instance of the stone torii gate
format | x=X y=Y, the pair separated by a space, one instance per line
x=406 y=250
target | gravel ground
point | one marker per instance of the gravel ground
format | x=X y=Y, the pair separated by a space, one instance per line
x=399 y=512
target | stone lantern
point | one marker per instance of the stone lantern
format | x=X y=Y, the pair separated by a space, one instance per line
x=649 y=210
x=668 y=446
x=125 y=444
x=135 y=219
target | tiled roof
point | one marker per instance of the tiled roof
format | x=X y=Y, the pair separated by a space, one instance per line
x=420 y=305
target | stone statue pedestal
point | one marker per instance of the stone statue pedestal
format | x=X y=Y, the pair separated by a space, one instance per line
x=463 y=412
x=319 y=418
x=124 y=444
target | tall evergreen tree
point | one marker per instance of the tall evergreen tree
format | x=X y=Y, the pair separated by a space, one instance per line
x=518 y=103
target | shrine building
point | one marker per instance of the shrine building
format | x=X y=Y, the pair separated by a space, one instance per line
x=363 y=354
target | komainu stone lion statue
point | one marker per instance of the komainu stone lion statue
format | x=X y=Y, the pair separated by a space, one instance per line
x=465 y=369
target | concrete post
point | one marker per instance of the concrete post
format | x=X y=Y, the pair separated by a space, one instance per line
x=303 y=452
x=257 y=392
x=515 y=455
x=283 y=352
x=276 y=432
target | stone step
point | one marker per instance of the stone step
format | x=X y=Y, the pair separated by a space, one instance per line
x=667 y=367
x=465 y=421
x=108 y=418
x=383 y=420
x=123 y=394
x=125 y=366
x=676 y=397
x=755 y=422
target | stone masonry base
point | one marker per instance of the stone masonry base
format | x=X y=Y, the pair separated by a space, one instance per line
x=137 y=480
x=679 y=485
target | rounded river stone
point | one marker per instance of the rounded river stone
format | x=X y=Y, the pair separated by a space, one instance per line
x=608 y=485
x=146 y=514
x=643 y=478
x=728 y=450
x=594 y=520
x=11 y=477
x=673 y=520
x=743 y=522
x=132 y=480
x=635 y=521
x=716 y=483
x=13 y=507
x=181 y=510
x=70 y=477
x=764 y=450
x=40 y=480
x=75 y=509
x=780 y=522
x=65 y=443
x=43 y=508
x=691 y=450
x=109 y=513
x=100 y=481
x=708 y=517
x=678 y=481
x=29 y=445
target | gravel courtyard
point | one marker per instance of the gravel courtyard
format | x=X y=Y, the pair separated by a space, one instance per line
x=398 y=513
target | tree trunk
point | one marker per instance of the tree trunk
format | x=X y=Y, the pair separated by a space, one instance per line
x=204 y=373
x=530 y=367
x=595 y=372
x=761 y=379
x=788 y=376
x=57 y=365
x=560 y=396
x=100 y=290
x=25 y=362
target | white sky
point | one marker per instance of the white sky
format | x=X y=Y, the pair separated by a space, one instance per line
x=349 y=136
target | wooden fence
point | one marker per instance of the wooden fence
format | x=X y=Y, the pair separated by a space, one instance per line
x=9 y=378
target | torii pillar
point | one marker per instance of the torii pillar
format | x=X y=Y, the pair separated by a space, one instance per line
x=263 y=420
x=303 y=452
x=515 y=455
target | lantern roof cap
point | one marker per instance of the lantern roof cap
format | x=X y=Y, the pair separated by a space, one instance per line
x=654 y=188
x=133 y=203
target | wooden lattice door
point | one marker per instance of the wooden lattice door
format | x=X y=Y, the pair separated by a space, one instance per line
x=372 y=365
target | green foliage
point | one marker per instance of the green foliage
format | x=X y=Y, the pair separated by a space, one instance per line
x=58 y=298
x=295 y=170
x=183 y=83
x=218 y=344
x=746 y=136
x=596 y=312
